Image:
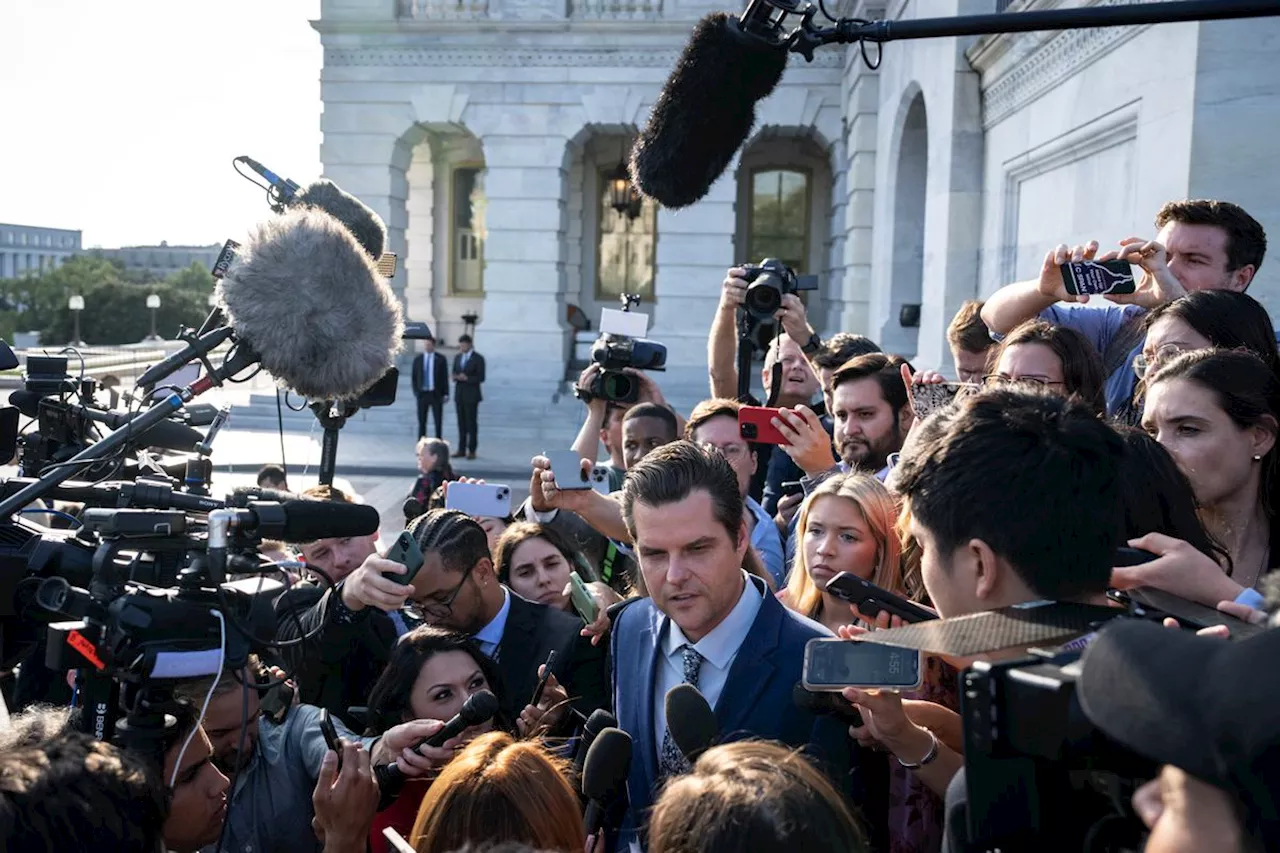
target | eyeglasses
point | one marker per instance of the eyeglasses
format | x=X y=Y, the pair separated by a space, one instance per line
x=1142 y=363
x=442 y=608
x=996 y=381
x=730 y=451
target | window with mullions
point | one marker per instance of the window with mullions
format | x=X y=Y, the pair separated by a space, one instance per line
x=778 y=224
x=625 y=246
x=466 y=239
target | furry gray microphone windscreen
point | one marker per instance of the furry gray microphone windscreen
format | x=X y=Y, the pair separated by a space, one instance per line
x=307 y=297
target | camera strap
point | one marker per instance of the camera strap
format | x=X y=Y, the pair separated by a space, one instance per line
x=775 y=372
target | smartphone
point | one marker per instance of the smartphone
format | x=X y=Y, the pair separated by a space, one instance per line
x=871 y=599
x=581 y=599
x=1131 y=557
x=927 y=399
x=791 y=487
x=542 y=682
x=600 y=480
x=330 y=735
x=480 y=500
x=1093 y=278
x=831 y=664
x=1147 y=602
x=406 y=552
x=567 y=467
x=754 y=425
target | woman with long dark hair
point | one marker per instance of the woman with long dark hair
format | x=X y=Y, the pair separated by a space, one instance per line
x=535 y=561
x=1057 y=359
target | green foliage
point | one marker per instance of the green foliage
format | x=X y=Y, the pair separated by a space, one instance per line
x=115 y=303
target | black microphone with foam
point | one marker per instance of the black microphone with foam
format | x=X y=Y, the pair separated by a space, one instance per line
x=705 y=111
x=282 y=190
x=604 y=775
x=479 y=707
x=599 y=720
x=306 y=520
x=691 y=721
x=355 y=215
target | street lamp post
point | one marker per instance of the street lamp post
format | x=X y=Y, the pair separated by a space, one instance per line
x=153 y=302
x=76 y=304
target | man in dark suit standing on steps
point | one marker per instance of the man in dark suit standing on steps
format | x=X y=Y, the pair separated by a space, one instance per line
x=430 y=386
x=468 y=375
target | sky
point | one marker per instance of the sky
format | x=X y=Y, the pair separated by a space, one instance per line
x=120 y=117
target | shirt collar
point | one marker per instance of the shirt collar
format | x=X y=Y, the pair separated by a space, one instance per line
x=492 y=633
x=720 y=645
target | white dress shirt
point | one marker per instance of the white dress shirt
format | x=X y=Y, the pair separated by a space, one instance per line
x=718 y=649
x=491 y=635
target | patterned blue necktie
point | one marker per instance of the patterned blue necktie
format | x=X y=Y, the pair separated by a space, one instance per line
x=672 y=762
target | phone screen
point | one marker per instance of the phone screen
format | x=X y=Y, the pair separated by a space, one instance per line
x=833 y=664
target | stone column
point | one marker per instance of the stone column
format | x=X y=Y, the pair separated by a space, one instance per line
x=852 y=312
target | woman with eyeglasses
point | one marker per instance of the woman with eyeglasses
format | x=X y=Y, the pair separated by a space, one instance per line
x=429 y=676
x=1217 y=412
x=1055 y=358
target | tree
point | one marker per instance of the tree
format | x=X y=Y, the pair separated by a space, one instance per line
x=117 y=313
x=32 y=302
x=194 y=278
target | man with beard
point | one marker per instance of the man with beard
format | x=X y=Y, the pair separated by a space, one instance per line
x=272 y=757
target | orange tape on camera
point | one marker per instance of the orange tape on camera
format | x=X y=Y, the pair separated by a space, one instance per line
x=86 y=648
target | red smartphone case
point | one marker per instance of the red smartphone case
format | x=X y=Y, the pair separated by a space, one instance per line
x=754 y=425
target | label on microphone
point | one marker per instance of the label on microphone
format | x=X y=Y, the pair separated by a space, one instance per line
x=225 y=257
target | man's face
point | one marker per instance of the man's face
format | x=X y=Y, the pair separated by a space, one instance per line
x=339 y=557
x=199 y=803
x=611 y=432
x=464 y=346
x=223 y=724
x=1197 y=257
x=722 y=434
x=970 y=366
x=825 y=375
x=947 y=577
x=691 y=566
x=452 y=600
x=428 y=345
x=867 y=429
x=640 y=435
x=799 y=384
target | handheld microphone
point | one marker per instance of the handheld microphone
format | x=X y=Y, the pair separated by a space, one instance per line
x=705 y=111
x=283 y=190
x=307 y=298
x=202 y=345
x=480 y=706
x=599 y=720
x=692 y=723
x=825 y=704
x=604 y=773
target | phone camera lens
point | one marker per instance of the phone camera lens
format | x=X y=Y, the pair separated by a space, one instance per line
x=749 y=431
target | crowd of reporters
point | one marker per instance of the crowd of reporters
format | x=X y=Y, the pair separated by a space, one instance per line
x=1144 y=421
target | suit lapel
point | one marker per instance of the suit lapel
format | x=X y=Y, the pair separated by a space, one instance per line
x=516 y=652
x=649 y=652
x=752 y=668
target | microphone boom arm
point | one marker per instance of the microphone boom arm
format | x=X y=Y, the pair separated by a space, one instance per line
x=761 y=19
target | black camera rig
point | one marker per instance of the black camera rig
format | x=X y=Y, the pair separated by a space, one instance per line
x=615 y=353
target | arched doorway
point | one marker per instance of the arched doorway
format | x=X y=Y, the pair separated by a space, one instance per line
x=900 y=333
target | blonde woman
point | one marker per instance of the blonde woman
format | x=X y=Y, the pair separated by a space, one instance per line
x=847 y=524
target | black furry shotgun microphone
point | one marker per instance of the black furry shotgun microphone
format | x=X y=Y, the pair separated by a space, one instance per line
x=705 y=111
x=306 y=296
x=357 y=216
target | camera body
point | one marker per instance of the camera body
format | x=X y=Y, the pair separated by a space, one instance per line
x=613 y=353
x=769 y=281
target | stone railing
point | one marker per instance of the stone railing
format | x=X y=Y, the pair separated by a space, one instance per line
x=615 y=10
x=443 y=10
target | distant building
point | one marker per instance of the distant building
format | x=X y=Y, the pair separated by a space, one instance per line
x=163 y=260
x=30 y=249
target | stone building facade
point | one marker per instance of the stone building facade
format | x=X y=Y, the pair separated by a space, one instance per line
x=486 y=133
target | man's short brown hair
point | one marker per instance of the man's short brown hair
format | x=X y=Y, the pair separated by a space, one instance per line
x=1246 y=239
x=716 y=407
x=327 y=493
x=885 y=369
x=967 y=332
x=670 y=473
x=842 y=347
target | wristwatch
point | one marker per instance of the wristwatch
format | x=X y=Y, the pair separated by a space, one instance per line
x=812 y=345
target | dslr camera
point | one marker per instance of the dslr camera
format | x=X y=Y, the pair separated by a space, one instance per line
x=615 y=350
x=768 y=282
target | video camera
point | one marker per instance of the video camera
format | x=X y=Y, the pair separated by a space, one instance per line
x=770 y=280
x=618 y=347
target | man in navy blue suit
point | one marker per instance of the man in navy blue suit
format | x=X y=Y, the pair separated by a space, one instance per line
x=706 y=622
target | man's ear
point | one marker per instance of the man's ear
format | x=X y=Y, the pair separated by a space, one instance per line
x=988 y=570
x=744 y=538
x=906 y=418
x=1241 y=278
x=484 y=570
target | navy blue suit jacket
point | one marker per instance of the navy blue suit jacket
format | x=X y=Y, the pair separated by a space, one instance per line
x=756 y=701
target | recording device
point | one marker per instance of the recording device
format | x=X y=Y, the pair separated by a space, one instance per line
x=330 y=735
x=791 y=487
x=770 y=280
x=566 y=465
x=479 y=500
x=831 y=664
x=599 y=720
x=929 y=398
x=599 y=480
x=581 y=599
x=755 y=424
x=1094 y=278
x=480 y=707
x=871 y=599
x=706 y=109
x=1148 y=602
x=406 y=552
x=621 y=345
x=604 y=775
x=546 y=676
x=693 y=725
x=825 y=703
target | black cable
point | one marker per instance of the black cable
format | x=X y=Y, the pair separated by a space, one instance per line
x=301 y=408
x=284 y=466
